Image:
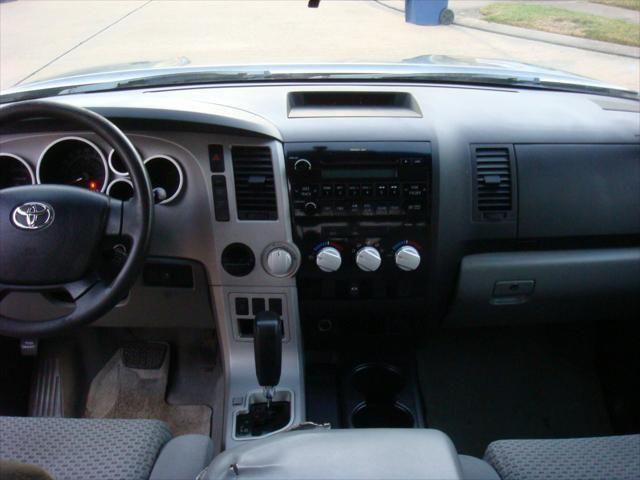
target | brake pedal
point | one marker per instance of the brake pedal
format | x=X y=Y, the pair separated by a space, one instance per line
x=144 y=355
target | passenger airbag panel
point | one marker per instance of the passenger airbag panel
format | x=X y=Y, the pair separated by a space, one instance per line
x=578 y=190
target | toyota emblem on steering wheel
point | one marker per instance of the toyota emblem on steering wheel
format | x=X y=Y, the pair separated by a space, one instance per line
x=33 y=216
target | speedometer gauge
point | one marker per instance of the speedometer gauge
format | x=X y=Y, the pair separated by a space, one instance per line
x=74 y=161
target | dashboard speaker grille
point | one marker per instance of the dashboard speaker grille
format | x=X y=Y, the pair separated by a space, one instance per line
x=254 y=183
x=493 y=182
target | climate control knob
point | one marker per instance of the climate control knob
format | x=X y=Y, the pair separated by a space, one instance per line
x=328 y=259
x=368 y=259
x=407 y=258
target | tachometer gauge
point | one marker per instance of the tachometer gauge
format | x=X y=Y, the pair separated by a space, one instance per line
x=14 y=171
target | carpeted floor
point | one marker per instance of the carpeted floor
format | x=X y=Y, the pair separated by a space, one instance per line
x=119 y=391
x=489 y=384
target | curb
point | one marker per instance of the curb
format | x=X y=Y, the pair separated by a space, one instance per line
x=548 y=37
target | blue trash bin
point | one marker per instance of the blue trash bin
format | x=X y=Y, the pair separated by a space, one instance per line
x=427 y=12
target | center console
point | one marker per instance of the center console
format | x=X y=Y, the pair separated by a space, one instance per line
x=361 y=218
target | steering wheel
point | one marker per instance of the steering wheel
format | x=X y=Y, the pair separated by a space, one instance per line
x=50 y=235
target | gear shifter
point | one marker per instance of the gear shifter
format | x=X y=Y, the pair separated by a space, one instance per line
x=267 y=347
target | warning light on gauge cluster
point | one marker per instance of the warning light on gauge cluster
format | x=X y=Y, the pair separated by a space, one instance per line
x=93 y=185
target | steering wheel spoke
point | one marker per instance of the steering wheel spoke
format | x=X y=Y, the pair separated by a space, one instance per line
x=78 y=288
x=113 y=226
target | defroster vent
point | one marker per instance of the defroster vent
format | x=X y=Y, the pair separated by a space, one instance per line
x=254 y=183
x=494 y=183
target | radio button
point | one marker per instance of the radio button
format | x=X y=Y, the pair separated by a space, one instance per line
x=305 y=191
x=368 y=209
x=340 y=209
x=354 y=208
x=367 y=190
x=382 y=210
x=327 y=190
x=353 y=190
x=405 y=162
x=414 y=190
x=326 y=211
x=381 y=190
x=395 y=210
x=394 y=190
x=418 y=162
x=414 y=207
x=339 y=190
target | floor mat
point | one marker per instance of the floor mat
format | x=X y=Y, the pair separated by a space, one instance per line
x=133 y=384
x=489 y=384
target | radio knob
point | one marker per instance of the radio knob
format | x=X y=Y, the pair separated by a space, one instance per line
x=407 y=258
x=328 y=259
x=368 y=259
x=310 y=208
x=302 y=166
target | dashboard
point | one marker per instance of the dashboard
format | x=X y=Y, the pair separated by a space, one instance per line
x=461 y=205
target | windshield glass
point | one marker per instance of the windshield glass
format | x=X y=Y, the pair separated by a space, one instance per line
x=598 y=39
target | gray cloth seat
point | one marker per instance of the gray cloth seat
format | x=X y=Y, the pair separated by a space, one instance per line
x=73 y=448
x=597 y=458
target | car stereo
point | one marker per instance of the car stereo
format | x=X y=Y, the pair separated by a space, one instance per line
x=374 y=179
x=361 y=217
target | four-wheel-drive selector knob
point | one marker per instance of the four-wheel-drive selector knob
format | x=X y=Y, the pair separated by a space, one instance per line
x=407 y=258
x=368 y=259
x=279 y=262
x=328 y=259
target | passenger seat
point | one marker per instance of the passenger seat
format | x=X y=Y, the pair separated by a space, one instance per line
x=597 y=458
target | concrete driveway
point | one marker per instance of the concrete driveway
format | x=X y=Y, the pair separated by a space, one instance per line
x=40 y=39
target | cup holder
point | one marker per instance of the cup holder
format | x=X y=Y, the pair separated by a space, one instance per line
x=380 y=386
x=377 y=381
x=382 y=415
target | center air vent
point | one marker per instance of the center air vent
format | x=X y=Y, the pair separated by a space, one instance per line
x=494 y=183
x=255 y=189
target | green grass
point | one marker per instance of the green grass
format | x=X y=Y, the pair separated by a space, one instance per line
x=557 y=20
x=630 y=4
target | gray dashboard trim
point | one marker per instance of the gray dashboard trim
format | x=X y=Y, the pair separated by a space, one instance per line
x=155 y=107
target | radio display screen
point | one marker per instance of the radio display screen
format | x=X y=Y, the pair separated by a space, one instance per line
x=341 y=173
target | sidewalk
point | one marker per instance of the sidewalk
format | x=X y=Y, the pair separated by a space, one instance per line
x=471 y=8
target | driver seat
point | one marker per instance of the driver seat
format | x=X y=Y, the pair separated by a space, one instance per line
x=72 y=448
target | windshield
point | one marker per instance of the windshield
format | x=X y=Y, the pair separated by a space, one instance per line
x=598 y=40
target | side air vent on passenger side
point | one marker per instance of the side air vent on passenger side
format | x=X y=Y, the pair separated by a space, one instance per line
x=254 y=183
x=494 y=182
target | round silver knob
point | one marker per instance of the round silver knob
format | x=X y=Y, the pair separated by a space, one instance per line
x=407 y=258
x=302 y=166
x=368 y=259
x=328 y=259
x=281 y=259
x=279 y=262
